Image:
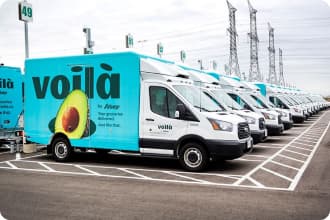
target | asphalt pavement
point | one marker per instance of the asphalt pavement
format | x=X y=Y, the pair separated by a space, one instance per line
x=287 y=177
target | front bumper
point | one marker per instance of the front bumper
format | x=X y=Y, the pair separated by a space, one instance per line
x=298 y=119
x=258 y=136
x=275 y=129
x=287 y=124
x=229 y=150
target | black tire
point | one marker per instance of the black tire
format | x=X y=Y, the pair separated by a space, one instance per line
x=62 y=150
x=102 y=152
x=193 y=157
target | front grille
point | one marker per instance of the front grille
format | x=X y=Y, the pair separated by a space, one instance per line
x=280 y=119
x=261 y=123
x=243 y=130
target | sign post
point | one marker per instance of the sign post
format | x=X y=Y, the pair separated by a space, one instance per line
x=182 y=56
x=160 y=49
x=25 y=13
x=129 y=41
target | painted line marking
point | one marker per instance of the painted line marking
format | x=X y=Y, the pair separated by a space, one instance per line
x=255 y=182
x=291 y=158
x=301 y=148
x=87 y=170
x=11 y=165
x=308 y=138
x=275 y=155
x=277 y=174
x=284 y=165
x=297 y=142
x=313 y=142
x=305 y=155
x=262 y=156
x=46 y=167
x=265 y=146
x=302 y=170
x=187 y=177
x=134 y=173
x=243 y=159
x=312 y=135
x=7 y=152
x=276 y=144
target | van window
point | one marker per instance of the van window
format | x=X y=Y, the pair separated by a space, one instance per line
x=162 y=101
x=240 y=101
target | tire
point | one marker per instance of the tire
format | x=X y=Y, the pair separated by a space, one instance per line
x=62 y=150
x=102 y=152
x=193 y=157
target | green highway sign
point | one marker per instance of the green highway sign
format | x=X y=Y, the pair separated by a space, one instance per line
x=25 y=12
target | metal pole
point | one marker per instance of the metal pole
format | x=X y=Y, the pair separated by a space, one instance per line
x=26 y=30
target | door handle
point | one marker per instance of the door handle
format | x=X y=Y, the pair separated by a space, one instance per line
x=150 y=119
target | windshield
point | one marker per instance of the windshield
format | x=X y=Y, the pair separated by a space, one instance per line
x=285 y=100
x=260 y=100
x=251 y=101
x=198 y=98
x=226 y=99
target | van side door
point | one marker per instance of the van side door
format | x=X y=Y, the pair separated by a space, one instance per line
x=160 y=128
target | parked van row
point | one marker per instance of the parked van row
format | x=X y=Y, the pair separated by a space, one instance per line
x=151 y=107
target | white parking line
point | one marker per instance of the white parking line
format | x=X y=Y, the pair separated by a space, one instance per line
x=302 y=170
x=252 y=160
x=294 y=152
x=87 y=170
x=301 y=148
x=256 y=182
x=238 y=182
x=47 y=167
x=265 y=146
x=309 y=138
x=284 y=165
x=136 y=174
x=277 y=174
x=291 y=158
x=273 y=144
x=7 y=152
x=186 y=177
x=11 y=165
x=309 y=145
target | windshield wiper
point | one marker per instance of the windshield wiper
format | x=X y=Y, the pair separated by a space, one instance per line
x=201 y=108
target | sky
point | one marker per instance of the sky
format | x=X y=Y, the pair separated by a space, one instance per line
x=302 y=31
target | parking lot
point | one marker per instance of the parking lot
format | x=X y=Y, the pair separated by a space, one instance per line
x=276 y=164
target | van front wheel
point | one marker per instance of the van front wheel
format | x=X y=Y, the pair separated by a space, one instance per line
x=62 y=150
x=193 y=157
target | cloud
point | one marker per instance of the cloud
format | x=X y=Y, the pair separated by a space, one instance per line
x=327 y=1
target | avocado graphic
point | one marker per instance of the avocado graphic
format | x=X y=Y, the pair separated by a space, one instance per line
x=72 y=116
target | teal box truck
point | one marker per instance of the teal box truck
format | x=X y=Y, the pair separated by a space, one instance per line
x=11 y=105
x=127 y=102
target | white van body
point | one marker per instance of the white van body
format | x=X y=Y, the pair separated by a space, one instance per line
x=212 y=87
x=131 y=103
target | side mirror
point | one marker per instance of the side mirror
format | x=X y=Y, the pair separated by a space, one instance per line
x=180 y=111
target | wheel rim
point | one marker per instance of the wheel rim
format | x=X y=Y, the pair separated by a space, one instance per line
x=61 y=150
x=193 y=157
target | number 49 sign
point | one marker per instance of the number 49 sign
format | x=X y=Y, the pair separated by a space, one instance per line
x=25 y=12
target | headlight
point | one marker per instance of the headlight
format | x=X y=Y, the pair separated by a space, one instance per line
x=269 y=116
x=284 y=114
x=221 y=125
x=297 y=110
x=248 y=119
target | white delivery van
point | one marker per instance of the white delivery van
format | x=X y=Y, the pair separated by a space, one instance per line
x=281 y=100
x=254 y=92
x=237 y=92
x=127 y=102
x=213 y=89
